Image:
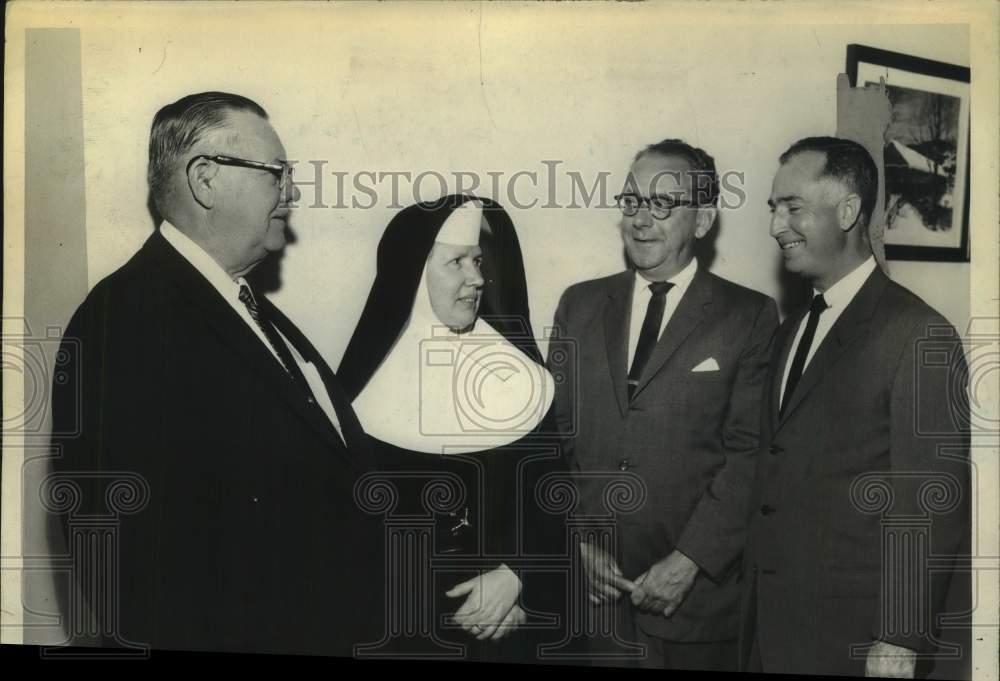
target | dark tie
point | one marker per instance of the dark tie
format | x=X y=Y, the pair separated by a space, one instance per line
x=274 y=340
x=801 y=352
x=650 y=332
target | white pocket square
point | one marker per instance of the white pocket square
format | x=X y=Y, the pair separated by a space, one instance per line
x=708 y=365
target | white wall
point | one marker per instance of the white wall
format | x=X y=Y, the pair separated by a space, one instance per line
x=481 y=88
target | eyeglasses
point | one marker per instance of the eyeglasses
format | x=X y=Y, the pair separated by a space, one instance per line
x=659 y=206
x=281 y=169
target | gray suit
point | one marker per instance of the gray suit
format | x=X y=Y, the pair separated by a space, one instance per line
x=690 y=436
x=861 y=497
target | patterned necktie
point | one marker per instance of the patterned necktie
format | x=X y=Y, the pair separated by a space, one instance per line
x=649 y=334
x=801 y=352
x=274 y=340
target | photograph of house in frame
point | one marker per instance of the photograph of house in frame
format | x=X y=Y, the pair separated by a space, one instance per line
x=926 y=152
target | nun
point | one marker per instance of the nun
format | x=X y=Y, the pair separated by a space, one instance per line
x=448 y=382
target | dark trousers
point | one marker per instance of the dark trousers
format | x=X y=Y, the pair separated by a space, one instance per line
x=622 y=649
x=754 y=665
x=715 y=656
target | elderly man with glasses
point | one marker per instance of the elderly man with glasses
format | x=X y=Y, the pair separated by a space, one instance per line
x=237 y=447
x=666 y=402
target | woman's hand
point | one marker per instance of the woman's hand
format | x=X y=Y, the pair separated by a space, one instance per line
x=512 y=621
x=489 y=607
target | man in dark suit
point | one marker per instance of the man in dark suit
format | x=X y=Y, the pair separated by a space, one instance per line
x=861 y=494
x=671 y=359
x=212 y=437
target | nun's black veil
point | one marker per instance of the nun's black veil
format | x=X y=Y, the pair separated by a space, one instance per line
x=402 y=253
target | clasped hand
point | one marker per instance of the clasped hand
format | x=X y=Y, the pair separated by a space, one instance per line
x=490 y=610
x=660 y=589
x=663 y=587
x=605 y=581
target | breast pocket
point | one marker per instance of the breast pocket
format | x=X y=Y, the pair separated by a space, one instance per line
x=702 y=389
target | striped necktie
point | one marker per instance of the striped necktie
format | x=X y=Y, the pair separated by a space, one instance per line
x=274 y=340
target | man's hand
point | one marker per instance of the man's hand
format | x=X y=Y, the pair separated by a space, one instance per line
x=888 y=660
x=604 y=579
x=490 y=598
x=664 y=586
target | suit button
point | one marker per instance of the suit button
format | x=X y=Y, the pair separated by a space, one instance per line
x=310 y=400
x=775 y=449
x=623 y=465
x=767 y=510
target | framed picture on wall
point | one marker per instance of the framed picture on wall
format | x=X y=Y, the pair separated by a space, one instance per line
x=926 y=152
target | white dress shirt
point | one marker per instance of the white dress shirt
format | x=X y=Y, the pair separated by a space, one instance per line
x=230 y=292
x=641 y=296
x=837 y=297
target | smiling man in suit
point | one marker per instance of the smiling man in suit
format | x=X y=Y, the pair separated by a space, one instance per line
x=240 y=448
x=671 y=362
x=862 y=488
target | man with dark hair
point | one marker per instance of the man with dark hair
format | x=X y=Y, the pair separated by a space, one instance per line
x=671 y=362
x=863 y=475
x=213 y=411
x=700 y=168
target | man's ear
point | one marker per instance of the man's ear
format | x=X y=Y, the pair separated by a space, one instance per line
x=849 y=211
x=705 y=220
x=200 y=176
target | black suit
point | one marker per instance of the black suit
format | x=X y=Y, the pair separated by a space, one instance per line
x=250 y=539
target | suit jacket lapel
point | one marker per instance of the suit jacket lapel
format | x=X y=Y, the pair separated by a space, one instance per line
x=688 y=314
x=350 y=427
x=617 y=311
x=852 y=322
x=233 y=331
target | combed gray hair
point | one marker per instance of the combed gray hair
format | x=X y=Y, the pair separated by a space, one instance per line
x=178 y=127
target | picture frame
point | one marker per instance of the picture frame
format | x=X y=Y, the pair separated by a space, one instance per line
x=926 y=152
